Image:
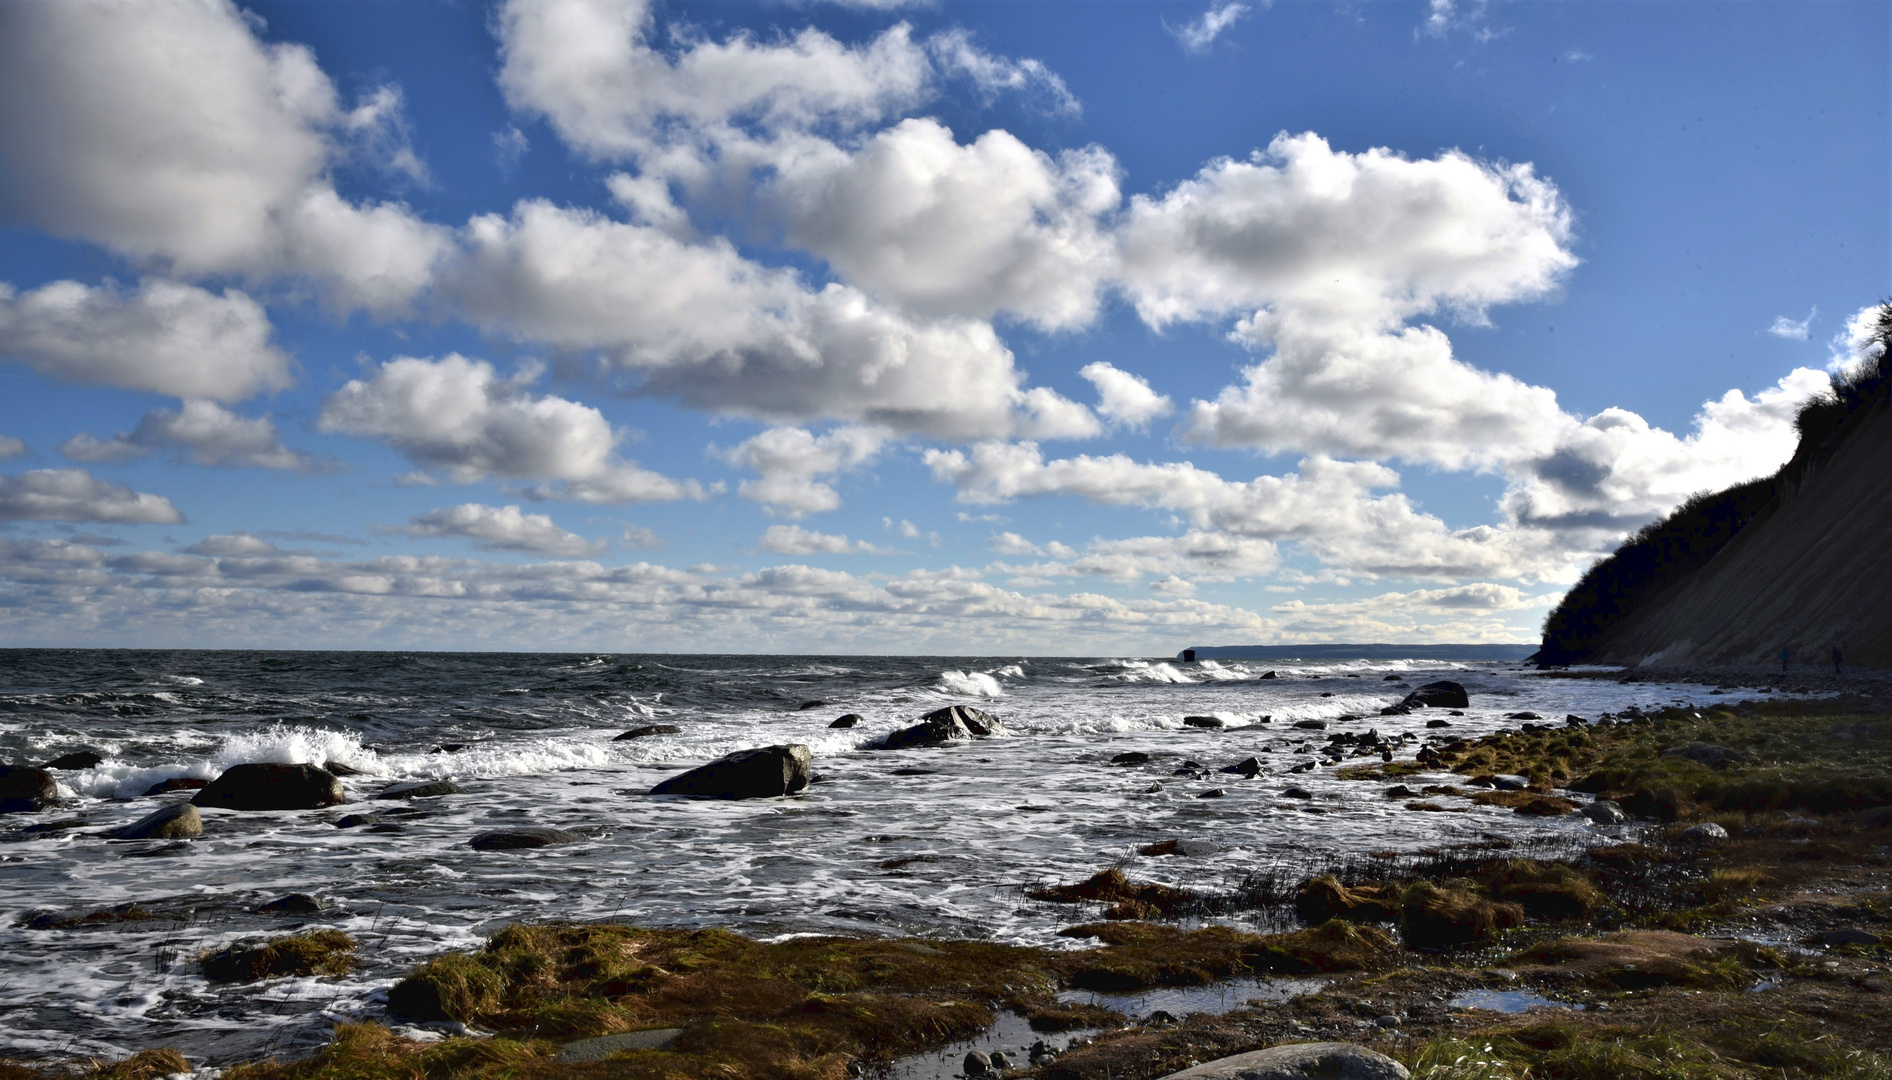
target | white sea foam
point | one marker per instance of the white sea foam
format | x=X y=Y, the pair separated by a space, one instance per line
x=971 y=684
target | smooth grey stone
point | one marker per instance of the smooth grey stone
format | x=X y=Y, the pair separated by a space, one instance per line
x=1706 y=833
x=1300 y=1061
x=420 y=789
x=605 y=1045
x=1604 y=812
x=179 y=821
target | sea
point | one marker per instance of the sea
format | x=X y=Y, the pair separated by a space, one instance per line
x=931 y=842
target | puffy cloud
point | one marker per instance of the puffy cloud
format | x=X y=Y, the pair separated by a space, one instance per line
x=502 y=528
x=77 y=495
x=1210 y=556
x=11 y=447
x=587 y=66
x=1328 y=507
x=1445 y=17
x=1616 y=471
x=1125 y=398
x=1200 y=32
x=458 y=415
x=167 y=132
x=1864 y=335
x=1325 y=255
x=703 y=325
x=164 y=337
x=795 y=540
x=942 y=229
x=790 y=460
x=240 y=544
x=207 y=433
x=1783 y=327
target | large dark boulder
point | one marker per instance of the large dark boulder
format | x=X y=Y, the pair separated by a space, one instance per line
x=78 y=759
x=179 y=821
x=23 y=787
x=1443 y=694
x=765 y=772
x=272 y=786
x=955 y=723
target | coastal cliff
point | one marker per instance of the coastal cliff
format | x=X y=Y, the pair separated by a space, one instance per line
x=1795 y=561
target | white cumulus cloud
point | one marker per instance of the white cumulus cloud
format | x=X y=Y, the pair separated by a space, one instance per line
x=207 y=433
x=168 y=132
x=795 y=464
x=1125 y=398
x=457 y=415
x=77 y=495
x=795 y=540
x=502 y=528
x=163 y=337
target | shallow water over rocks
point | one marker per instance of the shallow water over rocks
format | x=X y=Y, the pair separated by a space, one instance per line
x=931 y=841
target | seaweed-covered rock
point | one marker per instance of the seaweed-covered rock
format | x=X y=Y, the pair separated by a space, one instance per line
x=765 y=772
x=179 y=821
x=1444 y=694
x=1299 y=1061
x=272 y=786
x=320 y=952
x=23 y=787
x=1709 y=754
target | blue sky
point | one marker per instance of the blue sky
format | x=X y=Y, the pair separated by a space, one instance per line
x=881 y=327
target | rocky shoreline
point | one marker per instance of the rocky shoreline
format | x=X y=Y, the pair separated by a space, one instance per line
x=1740 y=930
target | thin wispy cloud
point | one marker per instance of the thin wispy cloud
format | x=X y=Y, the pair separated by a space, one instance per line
x=1791 y=330
x=1199 y=33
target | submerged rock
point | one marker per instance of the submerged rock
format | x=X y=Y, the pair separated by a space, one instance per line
x=765 y=772
x=79 y=759
x=179 y=821
x=1207 y=723
x=272 y=786
x=1132 y=757
x=177 y=783
x=531 y=836
x=420 y=789
x=1299 y=1061
x=353 y=821
x=296 y=903
x=23 y=788
x=1249 y=767
x=846 y=721
x=648 y=730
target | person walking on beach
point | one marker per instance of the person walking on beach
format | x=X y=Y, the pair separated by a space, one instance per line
x=1836 y=659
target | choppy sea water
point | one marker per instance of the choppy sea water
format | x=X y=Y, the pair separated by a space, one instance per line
x=922 y=842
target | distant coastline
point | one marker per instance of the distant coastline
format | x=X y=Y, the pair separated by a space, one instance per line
x=1362 y=652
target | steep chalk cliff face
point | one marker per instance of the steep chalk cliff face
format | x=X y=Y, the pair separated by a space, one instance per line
x=1813 y=573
